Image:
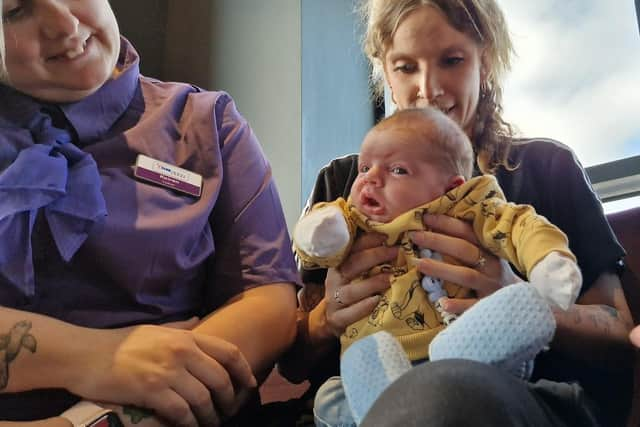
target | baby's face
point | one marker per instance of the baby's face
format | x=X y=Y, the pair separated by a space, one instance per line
x=395 y=174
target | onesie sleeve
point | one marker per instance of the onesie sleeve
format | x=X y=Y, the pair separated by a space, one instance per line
x=323 y=236
x=252 y=244
x=333 y=181
x=548 y=176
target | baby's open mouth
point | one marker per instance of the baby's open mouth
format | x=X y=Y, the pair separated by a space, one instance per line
x=370 y=202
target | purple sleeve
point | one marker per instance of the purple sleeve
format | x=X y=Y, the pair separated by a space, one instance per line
x=252 y=245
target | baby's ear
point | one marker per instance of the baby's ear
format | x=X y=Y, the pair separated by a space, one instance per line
x=455 y=181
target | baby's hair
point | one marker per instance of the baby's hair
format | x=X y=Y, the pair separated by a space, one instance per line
x=449 y=147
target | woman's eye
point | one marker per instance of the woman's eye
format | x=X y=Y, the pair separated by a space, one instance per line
x=398 y=171
x=453 y=60
x=12 y=13
x=405 y=68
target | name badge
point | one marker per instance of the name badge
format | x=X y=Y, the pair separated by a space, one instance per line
x=168 y=175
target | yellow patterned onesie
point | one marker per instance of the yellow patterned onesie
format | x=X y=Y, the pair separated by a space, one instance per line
x=510 y=231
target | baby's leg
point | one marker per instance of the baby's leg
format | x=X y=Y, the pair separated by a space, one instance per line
x=506 y=329
x=368 y=367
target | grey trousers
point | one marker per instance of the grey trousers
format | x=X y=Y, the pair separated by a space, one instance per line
x=456 y=393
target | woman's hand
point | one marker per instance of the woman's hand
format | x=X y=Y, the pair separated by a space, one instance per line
x=187 y=378
x=634 y=336
x=346 y=300
x=478 y=269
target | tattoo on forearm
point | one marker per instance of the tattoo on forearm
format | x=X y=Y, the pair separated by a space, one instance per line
x=577 y=317
x=610 y=310
x=10 y=345
x=600 y=323
x=136 y=414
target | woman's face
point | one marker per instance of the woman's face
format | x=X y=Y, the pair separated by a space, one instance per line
x=59 y=50
x=431 y=63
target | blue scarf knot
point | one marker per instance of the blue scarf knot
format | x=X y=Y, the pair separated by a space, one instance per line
x=56 y=176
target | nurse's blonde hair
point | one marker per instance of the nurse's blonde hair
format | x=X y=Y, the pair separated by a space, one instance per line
x=483 y=22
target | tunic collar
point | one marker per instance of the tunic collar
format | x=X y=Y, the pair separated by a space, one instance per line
x=42 y=168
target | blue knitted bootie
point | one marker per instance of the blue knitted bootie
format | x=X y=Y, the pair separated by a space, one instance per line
x=506 y=329
x=368 y=367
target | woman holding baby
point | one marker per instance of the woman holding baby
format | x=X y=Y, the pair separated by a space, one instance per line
x=453 y=55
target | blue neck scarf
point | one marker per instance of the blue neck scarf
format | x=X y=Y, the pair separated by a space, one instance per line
x=51 y=175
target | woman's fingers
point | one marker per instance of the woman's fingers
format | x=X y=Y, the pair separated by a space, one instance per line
x=459 y=274
x=362 y=261
x=635 y=336
x=368 y=240
x=338 y=320
x=476 y=268
x=354 y=301
x=230 y=357
x=458 y=305
x=219 y=366
x=356 y=291
x=204 y=384
x=450 y=226
x=464 y=251
x=348 y=301
x=172 y=407
x=198 y=397
x=149 y=361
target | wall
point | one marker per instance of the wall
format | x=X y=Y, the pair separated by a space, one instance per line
x=144 y=22
x=256 y=58
x=189 y=46
x=337 y=109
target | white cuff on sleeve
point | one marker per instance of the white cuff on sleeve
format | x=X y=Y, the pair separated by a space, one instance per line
x=558 y=279
x=322 y=232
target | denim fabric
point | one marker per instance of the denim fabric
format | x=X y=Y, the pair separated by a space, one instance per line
x=330 y=408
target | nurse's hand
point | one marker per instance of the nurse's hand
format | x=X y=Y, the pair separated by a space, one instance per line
x=475 y=268
x=186 y=378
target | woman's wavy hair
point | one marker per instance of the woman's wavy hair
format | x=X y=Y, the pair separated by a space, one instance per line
x=3 y=69
x=483 y=22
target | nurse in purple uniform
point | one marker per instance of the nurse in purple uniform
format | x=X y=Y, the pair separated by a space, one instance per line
x=145 y=264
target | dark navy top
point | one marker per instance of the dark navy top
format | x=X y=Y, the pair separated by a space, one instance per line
x=550 y=178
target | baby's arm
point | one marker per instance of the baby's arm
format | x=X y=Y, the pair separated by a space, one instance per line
x=528 y=240
x=322 y=237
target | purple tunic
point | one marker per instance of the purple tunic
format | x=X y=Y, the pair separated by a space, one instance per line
x=157 y=255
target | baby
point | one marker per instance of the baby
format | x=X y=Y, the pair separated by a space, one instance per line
x=418 y=162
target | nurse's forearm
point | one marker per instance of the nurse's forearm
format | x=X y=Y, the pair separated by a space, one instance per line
x=260 y=321
x=38 y=351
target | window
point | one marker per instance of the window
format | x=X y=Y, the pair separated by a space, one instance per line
x=575 y=79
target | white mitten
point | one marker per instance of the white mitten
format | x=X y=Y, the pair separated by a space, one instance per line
x=558 y=279
x=322 y=232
